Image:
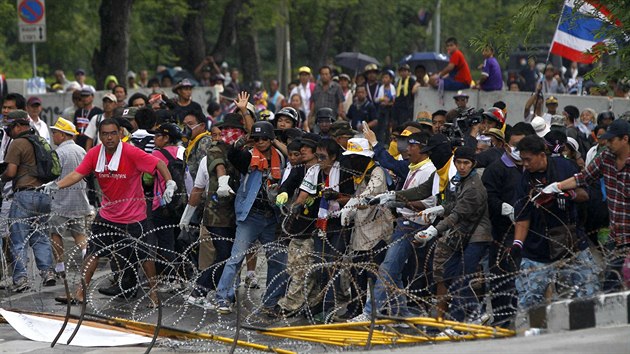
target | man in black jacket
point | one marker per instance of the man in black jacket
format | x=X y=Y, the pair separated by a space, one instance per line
x=500 y=179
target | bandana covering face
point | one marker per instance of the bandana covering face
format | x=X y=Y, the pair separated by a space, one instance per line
x=230 y=135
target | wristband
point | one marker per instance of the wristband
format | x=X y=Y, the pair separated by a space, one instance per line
x=518 y=243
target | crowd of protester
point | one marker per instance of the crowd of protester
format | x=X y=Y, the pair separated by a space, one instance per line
x=337 y=182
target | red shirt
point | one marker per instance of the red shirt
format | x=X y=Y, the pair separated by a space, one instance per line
x=123 y=197
x=462 y=72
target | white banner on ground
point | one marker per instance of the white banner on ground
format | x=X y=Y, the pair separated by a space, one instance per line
x=42 y=329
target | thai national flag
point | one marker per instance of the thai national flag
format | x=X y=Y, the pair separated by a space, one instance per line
x=577 y=31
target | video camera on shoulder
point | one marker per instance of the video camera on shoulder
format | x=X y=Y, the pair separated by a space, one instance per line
x=462 y=124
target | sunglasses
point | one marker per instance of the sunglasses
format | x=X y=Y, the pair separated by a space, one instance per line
x=412 y=141
x=257 y=139
x=321 y=157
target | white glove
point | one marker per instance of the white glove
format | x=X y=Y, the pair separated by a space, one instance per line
x=383 y=198
x=50 y=187
x=184 y=222
x=507 y=210
x=553 y=188
x=424 y=236
x=348 y=212
x=429 y=214
x=224 y=189
x=171 y=187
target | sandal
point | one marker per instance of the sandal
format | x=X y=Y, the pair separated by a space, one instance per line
x=66 y=300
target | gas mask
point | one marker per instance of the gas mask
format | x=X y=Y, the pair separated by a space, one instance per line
x=188 y=131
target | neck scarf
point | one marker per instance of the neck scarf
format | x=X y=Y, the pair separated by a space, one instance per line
x=413 y=167
x=358 y=180
x=193 y=142
x=403 y=84
x=101 y=162
x=443 y=174
x=260 y=162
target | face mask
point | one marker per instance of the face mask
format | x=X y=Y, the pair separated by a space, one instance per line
x=187 y=132
x=516 y=155
x=402 y=145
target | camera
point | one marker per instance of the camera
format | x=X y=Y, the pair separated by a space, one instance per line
x=464 y=121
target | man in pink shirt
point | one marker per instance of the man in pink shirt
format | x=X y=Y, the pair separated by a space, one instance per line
x=120 y=229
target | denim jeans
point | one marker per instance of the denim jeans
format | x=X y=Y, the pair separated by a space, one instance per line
x=222 y=239
x=580 y=272
x=613 y=274
x=459 y=271
x=257 y=226
x=28 y=215
x=390 y=271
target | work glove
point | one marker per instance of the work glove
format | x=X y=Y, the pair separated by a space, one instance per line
x=171 y=187
x=514 y=256
x=184 y=222
x=282 y=199
x=349 y=211
x=224 y=189
x=552 y=189
x=426 y=235
x=383 y=198
x=507 y=210
x=297 y=209
x=50 y=187
x=429 y=214
x=330 y=194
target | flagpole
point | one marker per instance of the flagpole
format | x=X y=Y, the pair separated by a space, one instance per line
x=554 y=34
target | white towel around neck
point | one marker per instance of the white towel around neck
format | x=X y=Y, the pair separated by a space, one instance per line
x=101 y=163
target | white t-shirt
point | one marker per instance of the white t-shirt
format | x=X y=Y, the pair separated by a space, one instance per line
x=305 y=93
x=203 y=178
x=42 y=129
x=415 y=179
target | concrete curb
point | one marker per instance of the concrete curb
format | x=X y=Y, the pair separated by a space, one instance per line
x=601 y=311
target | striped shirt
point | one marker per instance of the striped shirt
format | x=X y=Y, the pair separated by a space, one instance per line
x=617 y=184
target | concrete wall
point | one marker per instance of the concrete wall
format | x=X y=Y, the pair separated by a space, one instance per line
x=427 y=99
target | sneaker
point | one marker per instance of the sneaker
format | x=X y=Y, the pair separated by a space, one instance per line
x=201 y=302
x=21 y=285
x=164 y=287
x=360 y=318
x=49 y=278
x=224 y=307
x=251 y=281
x=449 y=332
x=6 y=283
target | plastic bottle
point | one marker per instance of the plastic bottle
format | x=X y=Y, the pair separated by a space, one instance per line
x=532 y=332
x=30 y=86
x=41 y=85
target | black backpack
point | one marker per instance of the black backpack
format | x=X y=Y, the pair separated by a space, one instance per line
x=177 y=168
x=47 y=160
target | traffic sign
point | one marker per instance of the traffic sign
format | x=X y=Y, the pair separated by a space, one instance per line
x=31 y=20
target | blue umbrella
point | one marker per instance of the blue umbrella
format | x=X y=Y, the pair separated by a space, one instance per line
x=432 y=61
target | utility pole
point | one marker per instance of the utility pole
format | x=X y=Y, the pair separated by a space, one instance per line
x=283 y=48
x=437 y=26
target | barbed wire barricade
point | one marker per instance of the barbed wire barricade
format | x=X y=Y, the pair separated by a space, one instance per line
x=336 y=271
